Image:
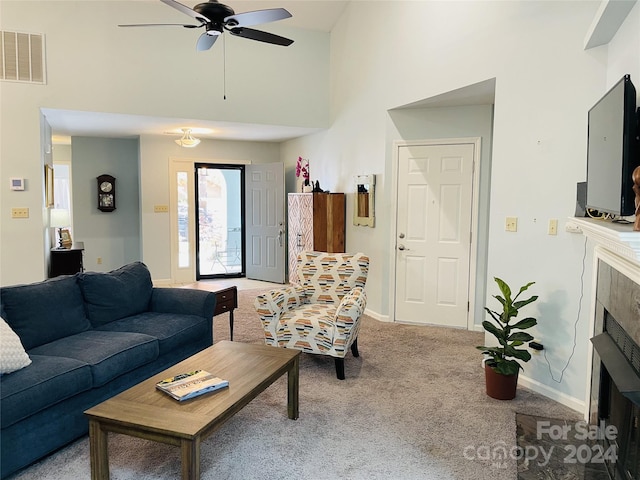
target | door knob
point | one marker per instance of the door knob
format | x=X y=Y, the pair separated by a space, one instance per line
x=401 y=235
x=401 y=247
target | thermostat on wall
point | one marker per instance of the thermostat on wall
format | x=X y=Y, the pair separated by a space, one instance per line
x=16 y=183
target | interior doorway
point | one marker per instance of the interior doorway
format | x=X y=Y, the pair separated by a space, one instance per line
x=220 y=207
x=436 y=201
x=226 y=220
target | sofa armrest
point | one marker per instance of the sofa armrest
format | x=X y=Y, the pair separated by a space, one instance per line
x=272 y=304
x=349 y=312
x=184 y=301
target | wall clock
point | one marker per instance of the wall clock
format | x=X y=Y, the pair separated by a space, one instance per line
x=106 y=193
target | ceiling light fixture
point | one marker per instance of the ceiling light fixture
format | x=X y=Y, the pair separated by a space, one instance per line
x=187 y=140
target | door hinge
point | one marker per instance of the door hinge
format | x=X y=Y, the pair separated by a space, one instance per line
x=468 y=306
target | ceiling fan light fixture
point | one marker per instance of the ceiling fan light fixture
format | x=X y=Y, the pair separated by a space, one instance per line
x=187 y=140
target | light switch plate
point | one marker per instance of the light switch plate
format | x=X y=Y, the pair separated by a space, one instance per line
x=20 y=212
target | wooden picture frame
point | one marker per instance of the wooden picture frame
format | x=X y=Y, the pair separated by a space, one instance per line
x=65 y=238
x=48 y=186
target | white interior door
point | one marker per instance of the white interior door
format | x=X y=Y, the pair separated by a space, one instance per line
x=265 y=242
x=433 y=230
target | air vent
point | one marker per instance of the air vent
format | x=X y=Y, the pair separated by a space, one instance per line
x=22 y=57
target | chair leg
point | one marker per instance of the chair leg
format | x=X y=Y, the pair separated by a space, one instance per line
x=340 y=368
x=354 y=348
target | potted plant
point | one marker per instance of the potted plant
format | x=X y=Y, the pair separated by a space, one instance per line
x=503 y=363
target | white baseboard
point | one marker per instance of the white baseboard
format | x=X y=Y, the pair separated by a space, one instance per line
x=377 y=316
x=162 y=282
x=567 y=400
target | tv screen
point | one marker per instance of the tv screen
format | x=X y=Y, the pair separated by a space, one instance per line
x=612 y=150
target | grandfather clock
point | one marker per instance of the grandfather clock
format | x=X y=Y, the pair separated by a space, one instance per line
x=106 y=193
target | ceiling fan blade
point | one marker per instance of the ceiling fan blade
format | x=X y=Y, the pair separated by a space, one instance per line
x=205 y=42
x=256 y=17
x=261 y=36
x=186 y=10
x=161 y=25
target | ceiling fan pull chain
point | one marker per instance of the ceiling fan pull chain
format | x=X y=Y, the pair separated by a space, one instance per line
x=224 y=69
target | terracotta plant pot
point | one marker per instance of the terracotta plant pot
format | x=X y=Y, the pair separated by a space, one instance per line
x=500 y=387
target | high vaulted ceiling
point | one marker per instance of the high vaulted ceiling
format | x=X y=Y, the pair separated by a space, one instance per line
x=317 y=15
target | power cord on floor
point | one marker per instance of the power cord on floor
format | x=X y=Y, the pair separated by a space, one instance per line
x=575 y=324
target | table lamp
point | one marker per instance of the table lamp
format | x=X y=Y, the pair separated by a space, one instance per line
x=59 y=218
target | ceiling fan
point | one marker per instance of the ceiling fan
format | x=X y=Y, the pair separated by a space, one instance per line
x=215 y=18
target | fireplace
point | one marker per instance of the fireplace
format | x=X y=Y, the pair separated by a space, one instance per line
x=615 y=380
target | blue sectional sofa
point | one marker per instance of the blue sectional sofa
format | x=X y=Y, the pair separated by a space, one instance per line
x=89 y=336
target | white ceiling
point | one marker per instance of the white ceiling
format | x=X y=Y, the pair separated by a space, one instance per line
x=318 y=15
x=68 y=123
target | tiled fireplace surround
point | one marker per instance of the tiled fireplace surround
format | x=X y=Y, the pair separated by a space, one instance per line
x=614 y=390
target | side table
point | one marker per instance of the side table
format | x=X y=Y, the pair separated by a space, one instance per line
x=227 y=301
x=66 y=261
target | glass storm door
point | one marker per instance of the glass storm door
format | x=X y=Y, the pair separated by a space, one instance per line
x=220 y=250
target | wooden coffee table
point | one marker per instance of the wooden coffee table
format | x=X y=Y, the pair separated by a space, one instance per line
x=145 y=412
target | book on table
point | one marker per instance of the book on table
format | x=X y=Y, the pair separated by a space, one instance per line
x=191 y=384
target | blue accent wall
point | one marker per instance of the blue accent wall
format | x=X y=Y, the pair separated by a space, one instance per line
x=114 y=237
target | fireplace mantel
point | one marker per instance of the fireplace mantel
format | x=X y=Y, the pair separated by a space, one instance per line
x=618 y=238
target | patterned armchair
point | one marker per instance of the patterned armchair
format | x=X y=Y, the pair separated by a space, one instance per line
x=322 y=314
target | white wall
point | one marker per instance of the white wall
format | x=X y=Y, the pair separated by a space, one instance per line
x=623 y=56
x=92 y=65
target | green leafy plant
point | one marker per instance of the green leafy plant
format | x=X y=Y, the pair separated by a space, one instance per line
x=504 y=357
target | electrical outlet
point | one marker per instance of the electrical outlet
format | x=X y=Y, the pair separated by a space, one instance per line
x=553 y=227
x=511 y=224
x=572 y=227
x=19 y=213
x=161 y=208
x=99 y=261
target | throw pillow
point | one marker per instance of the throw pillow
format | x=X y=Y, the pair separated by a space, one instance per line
x=12 y=354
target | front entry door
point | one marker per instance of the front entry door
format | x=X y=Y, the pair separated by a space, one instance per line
x=264 y=187
x=433 y=230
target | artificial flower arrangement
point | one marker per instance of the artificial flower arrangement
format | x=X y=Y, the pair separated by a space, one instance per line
x=302 y=170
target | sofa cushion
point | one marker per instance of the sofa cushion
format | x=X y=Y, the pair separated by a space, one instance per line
x=172 y=330
x=42 y=312
x=12 y=354
x=117 y=294
x=47 y=381
x=109 y=354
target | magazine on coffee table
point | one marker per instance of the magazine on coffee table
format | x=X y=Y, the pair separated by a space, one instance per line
x=192 y=384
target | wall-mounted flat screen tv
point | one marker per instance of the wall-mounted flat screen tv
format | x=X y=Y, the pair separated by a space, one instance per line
x=612 y=150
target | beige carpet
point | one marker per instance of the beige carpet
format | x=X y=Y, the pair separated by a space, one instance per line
x=412 y=407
